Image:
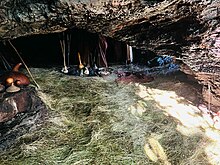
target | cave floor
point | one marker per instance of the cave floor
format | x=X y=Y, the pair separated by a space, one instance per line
x=94 y=120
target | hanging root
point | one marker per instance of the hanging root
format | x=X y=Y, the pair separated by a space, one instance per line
x=5 y=63
x=81 y=66
x=209 y=102
x=29 y=72
x=68 y=48
x=62 y=44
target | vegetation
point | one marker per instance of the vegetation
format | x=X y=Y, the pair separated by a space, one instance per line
x=96 y=121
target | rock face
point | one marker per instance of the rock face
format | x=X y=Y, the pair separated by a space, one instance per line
x=19 y=112
x=13 y=104
x=188 y=29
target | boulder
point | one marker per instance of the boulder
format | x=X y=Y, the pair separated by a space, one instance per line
x=20 y=112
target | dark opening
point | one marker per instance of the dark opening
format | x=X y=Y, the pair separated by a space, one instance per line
x=45 y=50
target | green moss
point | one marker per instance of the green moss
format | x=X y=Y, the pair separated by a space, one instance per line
x=89 y=123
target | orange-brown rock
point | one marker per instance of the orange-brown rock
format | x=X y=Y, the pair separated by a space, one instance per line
x=19 y=78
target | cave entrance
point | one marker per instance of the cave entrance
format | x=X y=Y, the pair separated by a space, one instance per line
x=100 y=101
x=45 y=50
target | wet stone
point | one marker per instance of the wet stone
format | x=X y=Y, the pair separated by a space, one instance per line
x=19 y=113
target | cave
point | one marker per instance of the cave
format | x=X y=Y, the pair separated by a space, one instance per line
x=187 y=30
x=46 y=50
x=135 y=107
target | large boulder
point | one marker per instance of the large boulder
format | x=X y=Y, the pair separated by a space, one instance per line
x=19 y=112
